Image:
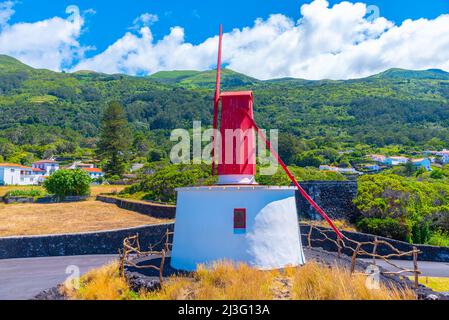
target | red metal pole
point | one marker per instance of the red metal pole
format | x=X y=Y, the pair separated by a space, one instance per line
x=217 y=98
x=293 y=179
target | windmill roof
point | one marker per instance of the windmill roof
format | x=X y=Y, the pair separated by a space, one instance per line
x=236 y=93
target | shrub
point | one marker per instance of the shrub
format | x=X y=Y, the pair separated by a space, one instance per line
x=387 y=227
x=68 y=183
x=161 y=185
x=31 y=193
x=439 y=238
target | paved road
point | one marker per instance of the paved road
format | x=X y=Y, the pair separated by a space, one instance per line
x=429 y=269
x=22 y=279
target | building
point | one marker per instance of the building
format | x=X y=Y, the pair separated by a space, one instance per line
x=49 y=166
x=80 y=165
x=340 y=170
x=422 y=163
x=377 y=158
x=370 y=167
x=396 y=161
x=94 y=173
x=12 y=174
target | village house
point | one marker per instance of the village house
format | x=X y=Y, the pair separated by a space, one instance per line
x=422 y=163
x=16 y=174
x=94 y=173
x=377 y=158
x=340 y=170
x=396 y=161
x=80 y=165
x=49 y=166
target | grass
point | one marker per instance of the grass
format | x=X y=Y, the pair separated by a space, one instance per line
x=436 y=284
x=38 y=219
x=340 y=224
x=95 y=190
x=228 y=281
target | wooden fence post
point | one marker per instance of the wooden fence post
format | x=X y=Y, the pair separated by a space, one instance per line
x=309 y=236
x=375 y=250
x=354 y=258
x=415 y=266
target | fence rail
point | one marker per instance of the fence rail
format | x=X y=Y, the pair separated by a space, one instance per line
x=132 y=249
x=358 y=249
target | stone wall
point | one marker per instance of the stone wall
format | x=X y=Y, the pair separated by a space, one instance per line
x=156 y=210
x=334 y=197
x=92 y=243
x=428 y=253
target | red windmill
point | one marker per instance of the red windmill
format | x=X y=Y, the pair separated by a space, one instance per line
x=237 y=163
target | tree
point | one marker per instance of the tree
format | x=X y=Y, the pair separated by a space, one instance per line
x=115 y=140
x=65 y=183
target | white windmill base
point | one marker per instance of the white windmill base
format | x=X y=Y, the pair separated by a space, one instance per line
x=205 y=228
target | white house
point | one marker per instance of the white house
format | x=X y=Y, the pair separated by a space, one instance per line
x=422 y=163
x=50 y=166
x=377 y=158
x=396 y=161
x=80 y=165
x=94 y=173
x=16 y=174
x=340 y=170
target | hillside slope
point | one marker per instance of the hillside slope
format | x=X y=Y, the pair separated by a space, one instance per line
x=41 y=108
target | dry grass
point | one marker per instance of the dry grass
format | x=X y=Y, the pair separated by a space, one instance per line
x=340 y=224
x=95 y=190
x=225 y=280
x=313 y=282
x=37 y=219
x=99 y=284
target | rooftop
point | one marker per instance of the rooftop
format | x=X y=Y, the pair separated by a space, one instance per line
x=44 y=161
x=93 y=170
x=236 y=93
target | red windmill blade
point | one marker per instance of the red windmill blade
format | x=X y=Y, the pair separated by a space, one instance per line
x=217 y=98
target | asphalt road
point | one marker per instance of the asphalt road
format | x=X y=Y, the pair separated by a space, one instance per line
x=23 y=279
x=429 y=269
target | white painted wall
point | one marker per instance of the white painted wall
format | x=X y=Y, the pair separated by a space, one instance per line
x=204 y=230
x=10 y=176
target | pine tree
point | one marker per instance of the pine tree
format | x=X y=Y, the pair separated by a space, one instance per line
x=115 y=140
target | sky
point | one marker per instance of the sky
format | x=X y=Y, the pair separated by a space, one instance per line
x=315 y=39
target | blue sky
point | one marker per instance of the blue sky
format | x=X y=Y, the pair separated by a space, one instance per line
x=105 y=23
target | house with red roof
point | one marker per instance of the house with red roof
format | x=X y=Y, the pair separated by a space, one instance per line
x=17 y=174
x=49 y=166
x=94 y=173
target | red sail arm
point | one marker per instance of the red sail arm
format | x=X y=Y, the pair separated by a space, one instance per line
x=217 y=98
x=293 y=179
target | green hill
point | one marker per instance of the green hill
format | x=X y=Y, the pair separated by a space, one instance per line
x=204 y=79
x=436 y=74
x=45 y=112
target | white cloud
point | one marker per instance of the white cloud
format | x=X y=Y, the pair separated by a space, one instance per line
x=146 y=19
x=337 y=42
x=51 y=43
x=6 y=12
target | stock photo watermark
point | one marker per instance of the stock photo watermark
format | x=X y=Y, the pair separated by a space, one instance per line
x=74 y=275
x=232 y=147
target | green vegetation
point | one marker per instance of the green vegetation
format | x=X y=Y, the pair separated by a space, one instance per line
x=115 y=140
x=164 y=178
x=404 y=208
x=30 y=193
x=65 y=183
x=46 y=113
